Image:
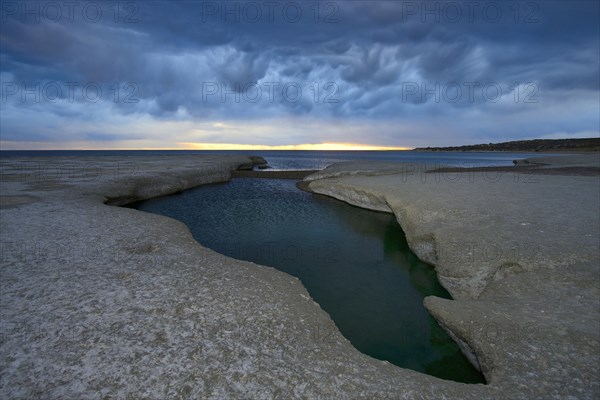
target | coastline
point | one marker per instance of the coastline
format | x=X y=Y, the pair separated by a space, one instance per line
x=120 y=286
x=556 y=151
x=105 y=299
x=519 y=257
x=578 y=145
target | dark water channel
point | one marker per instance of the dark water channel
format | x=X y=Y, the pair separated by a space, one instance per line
x=355 y=263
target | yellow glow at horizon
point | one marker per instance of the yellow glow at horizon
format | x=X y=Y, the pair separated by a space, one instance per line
x=307 y=146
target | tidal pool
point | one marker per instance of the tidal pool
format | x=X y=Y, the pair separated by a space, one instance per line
x=355 y=263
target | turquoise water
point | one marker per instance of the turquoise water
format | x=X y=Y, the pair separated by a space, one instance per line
x=355 y=263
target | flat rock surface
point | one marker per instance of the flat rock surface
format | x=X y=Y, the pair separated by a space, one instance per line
x=518 y=252
x=105 y=302
x=571 y=160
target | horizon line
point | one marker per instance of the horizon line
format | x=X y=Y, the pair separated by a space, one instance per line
x=190 y=146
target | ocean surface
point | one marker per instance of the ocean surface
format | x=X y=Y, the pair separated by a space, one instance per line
x=310 y=160
x=355 y=263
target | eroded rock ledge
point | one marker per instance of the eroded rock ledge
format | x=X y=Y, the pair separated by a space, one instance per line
x=519 y=253
x=110 y=302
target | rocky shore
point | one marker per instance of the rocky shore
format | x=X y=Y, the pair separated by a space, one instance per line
x=99 y=301
x=517 y=249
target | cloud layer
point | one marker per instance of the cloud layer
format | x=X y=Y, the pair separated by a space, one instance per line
x=156 y=74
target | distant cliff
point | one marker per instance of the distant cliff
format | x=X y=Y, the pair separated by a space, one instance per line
x=547 y=145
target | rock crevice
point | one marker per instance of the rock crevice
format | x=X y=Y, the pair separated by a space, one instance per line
x=503 y=249
x=113 y=301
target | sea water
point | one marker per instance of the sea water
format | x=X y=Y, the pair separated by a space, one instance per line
x=355 y=264
x=307 y=159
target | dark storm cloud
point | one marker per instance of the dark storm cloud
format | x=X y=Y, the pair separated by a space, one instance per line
x=356 y=59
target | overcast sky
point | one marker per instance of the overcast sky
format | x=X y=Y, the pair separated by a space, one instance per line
x=204 y=74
